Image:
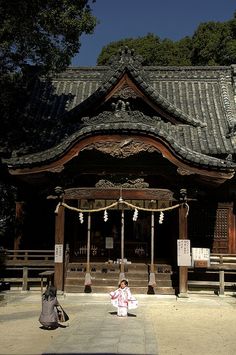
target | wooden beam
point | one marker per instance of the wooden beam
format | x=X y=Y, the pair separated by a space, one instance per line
x=115 y=194
x=19 y=225
x=59 y=241
x=183 y=234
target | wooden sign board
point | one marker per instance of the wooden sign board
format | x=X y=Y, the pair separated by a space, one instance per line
x=183 y=252
x=201 y=263
x=200 y=257
x=109 y=243
x=58 y=253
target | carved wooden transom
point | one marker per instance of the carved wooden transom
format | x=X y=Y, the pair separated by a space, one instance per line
x=122 y=149
x=126 y=92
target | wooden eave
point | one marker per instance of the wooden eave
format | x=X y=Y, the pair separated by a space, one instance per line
x=58 y=165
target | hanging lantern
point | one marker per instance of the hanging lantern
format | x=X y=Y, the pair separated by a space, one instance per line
x=105 y=217
x=81 y=217
x=135 y=216
x=161 y=217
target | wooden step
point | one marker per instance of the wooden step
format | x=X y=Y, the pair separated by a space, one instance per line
x=163 y=276
x=164 y=290
x=136 y=267
x=108 y=289
x=164 y=283
x=103 y=289
x=105 y=282
x=105 y=278
x=99 y=274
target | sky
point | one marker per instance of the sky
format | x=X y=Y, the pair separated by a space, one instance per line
x=172 y=19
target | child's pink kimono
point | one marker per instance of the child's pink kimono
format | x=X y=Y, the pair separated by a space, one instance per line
x=123 y=300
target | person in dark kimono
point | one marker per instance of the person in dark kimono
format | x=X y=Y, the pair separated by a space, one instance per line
x=49 y=316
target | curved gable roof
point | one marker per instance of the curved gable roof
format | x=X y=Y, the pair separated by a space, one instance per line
x=128 y=65
x=199 y=99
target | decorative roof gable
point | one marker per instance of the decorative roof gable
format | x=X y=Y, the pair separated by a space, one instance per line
x=190 y=110
x=126 y=78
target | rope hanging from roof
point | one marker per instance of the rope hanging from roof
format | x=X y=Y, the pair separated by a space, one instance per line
x=121 y=201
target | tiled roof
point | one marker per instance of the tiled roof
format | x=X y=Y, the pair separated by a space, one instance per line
x=158 y=130
x=201 y=99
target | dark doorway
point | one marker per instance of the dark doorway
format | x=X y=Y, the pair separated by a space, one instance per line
x=106 y=236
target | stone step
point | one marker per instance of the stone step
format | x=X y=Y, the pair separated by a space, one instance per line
x=164 y=291
x=103 y=289
x=81 y=289
x=163 y=276
x=101 y=266
x=164 y=283
x=93 y=267
x=137 y=267
x=105 y=278
x=105 y=282
x=108 y=289
x=133 y=275
x=93 y=274
x=112 y=275
x=114 y=281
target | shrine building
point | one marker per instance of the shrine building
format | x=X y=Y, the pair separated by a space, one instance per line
x=139 y=157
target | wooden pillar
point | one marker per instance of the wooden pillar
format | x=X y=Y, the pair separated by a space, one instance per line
x=88 y=243
x=122 y=243
x=25 y=279
x=152 y=279
x=183 y=234
x=59 y=248
x=232 y=232
x=19 y=224
x=222 y=282
x=152 y=241
x=88 y=279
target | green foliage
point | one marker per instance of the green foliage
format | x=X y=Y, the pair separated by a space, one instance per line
x=184 y=49
x=213 y=43
x=144 y=46
x=7 y=213
x=152 y=49
x=36 y=37
x=209 y=43
x=42 y=33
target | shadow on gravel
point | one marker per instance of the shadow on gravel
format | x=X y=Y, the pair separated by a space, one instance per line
x=128 y=315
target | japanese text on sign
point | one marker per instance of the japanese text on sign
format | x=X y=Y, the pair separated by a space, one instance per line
x=183 y=252
x=201 y=254
x=58 y=253
x=109 y=243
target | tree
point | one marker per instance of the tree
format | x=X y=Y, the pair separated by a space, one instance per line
x=153 y=50
x=42 y=33
x=36 y=37
x=213 y=43
x=173 y=53
x=184 y=50
x=145 y=46
x=210 y=42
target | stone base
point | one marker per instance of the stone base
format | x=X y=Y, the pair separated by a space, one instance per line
x=183 y=295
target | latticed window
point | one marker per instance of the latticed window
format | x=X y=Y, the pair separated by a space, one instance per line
x=222 y=223
x=208 y=227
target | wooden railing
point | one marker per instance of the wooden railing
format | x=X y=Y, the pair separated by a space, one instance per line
x=24 y=267
x=220 y=275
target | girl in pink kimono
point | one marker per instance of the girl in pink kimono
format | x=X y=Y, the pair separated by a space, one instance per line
x=123 y=299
